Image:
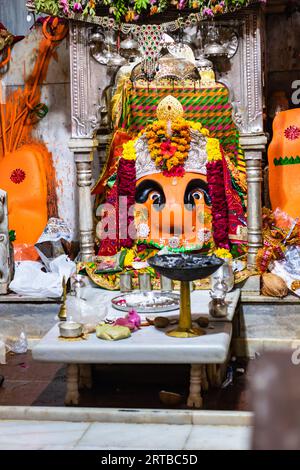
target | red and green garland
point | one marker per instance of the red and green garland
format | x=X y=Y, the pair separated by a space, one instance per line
x=220 y=221
x=126 y=182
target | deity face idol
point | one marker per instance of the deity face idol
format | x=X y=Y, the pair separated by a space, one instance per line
x=173 y=211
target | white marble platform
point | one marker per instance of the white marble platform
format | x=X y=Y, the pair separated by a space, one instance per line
x=199 y=302
x=206 y=354
x=146 y=346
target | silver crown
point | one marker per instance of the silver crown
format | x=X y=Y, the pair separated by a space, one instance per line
x=196 y=161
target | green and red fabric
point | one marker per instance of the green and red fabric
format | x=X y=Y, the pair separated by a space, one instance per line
x=210 y=106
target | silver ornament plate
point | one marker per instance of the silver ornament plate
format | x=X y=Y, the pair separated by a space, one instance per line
x=147 y=302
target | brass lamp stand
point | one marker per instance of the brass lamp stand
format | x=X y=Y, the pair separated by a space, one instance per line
x=185 y=328
x=185 y=267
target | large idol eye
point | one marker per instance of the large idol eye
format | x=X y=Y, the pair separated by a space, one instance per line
x=197 y=195
x=195 y=191
x=150 y=190
x=155 y=196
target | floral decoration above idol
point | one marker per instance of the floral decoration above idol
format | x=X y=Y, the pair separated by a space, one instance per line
x=133 y=10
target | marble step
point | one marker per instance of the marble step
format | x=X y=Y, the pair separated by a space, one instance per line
x=92 y=428
x=52 y=435
x=127 y=416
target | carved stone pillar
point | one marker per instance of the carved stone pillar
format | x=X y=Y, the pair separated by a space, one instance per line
x=253 y=146
x=83 y=154
x=245 y=77
x=6 y=260
x=85 y=83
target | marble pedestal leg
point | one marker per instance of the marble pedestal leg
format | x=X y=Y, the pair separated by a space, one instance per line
x=85 y=376
x=195 y=398
x=72 y=395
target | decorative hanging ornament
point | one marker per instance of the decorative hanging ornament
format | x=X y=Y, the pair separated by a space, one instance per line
x=150 y=41
x=18 y=176
x=292 y=133
x=174 y=242
x=143 y=230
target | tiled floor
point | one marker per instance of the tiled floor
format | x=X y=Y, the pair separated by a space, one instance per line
x=28 y=382
x=42 y=435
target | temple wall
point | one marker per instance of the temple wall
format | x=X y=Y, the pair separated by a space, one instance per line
x=13 y=15
x=283 y=52
x=54 y=129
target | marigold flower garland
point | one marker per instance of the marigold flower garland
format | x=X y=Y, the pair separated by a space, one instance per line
x=169 y=145
x=223 y=253
x=169 y=148
x=129 y=150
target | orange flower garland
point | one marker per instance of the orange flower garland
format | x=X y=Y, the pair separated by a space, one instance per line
x=169 y=148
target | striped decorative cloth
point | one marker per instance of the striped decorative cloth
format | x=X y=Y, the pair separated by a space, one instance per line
x=210 y=106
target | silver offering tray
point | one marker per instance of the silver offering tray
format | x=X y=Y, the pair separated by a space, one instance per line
x=147 y=302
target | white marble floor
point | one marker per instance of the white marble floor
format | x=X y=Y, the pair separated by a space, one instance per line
x=51 y=435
